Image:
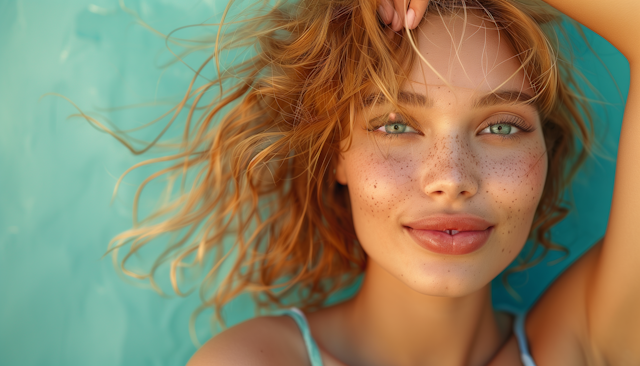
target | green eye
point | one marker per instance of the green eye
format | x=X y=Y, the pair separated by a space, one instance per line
x=393 y=124
x=395 y=128
x=500 y=129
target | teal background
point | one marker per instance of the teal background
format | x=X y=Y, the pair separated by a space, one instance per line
x=60 y=303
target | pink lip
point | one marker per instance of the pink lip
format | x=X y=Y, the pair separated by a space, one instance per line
x=429 y=233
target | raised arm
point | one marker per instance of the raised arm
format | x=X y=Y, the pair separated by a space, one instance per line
x=613 y=294
x=616 y=20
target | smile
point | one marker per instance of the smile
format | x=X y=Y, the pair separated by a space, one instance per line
x=451 y=242
x=450 y=234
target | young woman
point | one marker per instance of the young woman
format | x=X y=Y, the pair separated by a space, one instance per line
x=421 y=147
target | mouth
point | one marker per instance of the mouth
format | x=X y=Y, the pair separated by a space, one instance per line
x=450 y=234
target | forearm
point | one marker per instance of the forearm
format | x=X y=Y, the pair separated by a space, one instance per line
x=618 y=21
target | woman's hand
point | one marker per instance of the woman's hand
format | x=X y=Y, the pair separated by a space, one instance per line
x=395 y=12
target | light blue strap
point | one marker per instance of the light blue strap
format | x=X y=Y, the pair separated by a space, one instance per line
x=312 y=347
x=316 y=360
x=518 y=330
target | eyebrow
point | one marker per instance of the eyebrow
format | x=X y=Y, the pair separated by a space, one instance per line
x=499 y=97
x=503 y=97
x=409 y=98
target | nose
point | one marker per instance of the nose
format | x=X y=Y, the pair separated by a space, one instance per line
x=451 y=170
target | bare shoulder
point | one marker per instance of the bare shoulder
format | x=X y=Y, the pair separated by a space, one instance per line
x=262 y=341
x=557 y=327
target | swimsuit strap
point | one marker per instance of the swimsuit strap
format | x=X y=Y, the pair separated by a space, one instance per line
x=521 y=336
x=301 y=320
x=314 y=351
x=518 y=329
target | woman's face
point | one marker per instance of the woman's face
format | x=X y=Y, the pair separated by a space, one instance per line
x=460 y=159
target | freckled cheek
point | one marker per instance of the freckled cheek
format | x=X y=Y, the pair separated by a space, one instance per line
x=533 y=171
x=515 y=184
x=378 y=184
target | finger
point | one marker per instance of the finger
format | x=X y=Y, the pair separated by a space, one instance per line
x=418 y=8
x=396 y=23
x=386 y=10
x=400 y=12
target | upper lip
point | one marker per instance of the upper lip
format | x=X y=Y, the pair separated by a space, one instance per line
x=458 y=222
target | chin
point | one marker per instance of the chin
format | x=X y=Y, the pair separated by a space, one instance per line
x=451 y=284
x=443 y=276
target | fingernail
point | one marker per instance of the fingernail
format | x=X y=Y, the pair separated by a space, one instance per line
x=411 y=17
x=395 y=23
x=383 y=14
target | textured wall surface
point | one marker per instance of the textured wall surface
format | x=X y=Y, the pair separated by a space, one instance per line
x=60 y=303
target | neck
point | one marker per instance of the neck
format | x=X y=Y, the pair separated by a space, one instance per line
x=388 y=323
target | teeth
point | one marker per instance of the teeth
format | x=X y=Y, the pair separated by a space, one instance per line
x=452 y=232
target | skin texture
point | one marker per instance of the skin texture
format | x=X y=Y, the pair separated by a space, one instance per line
x=449 y=163
x=422 y=308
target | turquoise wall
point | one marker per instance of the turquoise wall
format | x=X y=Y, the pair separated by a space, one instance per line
x=60 y=303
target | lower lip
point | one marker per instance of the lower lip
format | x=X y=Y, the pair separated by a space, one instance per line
x=464 y=242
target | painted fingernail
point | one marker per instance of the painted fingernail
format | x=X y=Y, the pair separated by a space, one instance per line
x=383 y=14
x=410 y=18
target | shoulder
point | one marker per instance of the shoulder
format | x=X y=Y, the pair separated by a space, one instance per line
x=262 y=341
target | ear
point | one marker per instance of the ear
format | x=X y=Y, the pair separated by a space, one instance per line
x=340 y=170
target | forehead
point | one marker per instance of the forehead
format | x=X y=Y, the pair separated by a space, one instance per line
x=467 y=51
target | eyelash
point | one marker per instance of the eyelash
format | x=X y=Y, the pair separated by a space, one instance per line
x=406 y=121
x=511 y=120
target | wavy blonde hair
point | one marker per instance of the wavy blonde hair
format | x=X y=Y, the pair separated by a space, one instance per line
x=263 y=197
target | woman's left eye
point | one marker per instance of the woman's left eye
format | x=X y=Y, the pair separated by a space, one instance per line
x=501 y=129
x=506 y=127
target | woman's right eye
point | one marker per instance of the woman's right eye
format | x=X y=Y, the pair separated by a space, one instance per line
x=395 y=125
